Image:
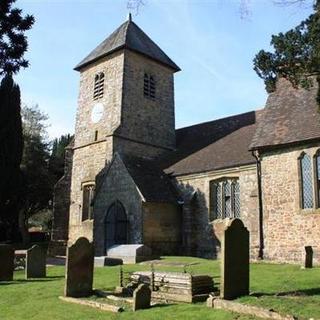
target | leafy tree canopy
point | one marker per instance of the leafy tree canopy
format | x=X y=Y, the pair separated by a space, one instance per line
x=36 y=153
x=13 y=42
x=296 y=54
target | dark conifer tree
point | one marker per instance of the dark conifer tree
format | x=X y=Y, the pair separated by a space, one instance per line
x=56 y=163
x=11 y=147
x=13 y=45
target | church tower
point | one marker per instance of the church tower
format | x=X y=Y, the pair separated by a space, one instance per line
x=125 y=105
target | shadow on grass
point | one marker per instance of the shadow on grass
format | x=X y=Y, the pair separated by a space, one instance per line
x=162 y=305
x=22 y=281
x=295 y=293
x=55 y=277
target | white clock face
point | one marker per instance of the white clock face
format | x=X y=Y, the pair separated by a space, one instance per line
x=97 y=112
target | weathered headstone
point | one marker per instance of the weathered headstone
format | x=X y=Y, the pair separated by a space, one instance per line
x=235 y=261
x=36 y=262
x=6 y=262
x=79 y=269
x=141 y=297
x=308 y=263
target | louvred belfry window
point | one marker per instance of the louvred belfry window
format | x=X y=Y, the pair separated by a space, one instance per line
x=224 y=199
x=149 y=86
x=98 y=89
x=306 y=181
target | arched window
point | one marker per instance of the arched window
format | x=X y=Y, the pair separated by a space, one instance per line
x=306 y=181
x=224 y=199
x=317 y=177
x=149 y=86
x=98 y=86
x=87 y=201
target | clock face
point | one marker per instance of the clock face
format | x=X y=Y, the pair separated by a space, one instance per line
x=97 y=112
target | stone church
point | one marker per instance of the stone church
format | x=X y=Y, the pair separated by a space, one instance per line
x=131 y=177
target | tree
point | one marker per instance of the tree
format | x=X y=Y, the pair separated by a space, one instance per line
x=11 y=145
x=13 y=45
x=56 y=162
x=135 y=5
x=38 y=182
x=13 y=42
x=296 y=54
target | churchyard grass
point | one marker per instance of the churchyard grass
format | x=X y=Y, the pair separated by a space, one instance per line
x=38 y=298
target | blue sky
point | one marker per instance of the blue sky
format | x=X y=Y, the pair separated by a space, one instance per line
x=210 y=42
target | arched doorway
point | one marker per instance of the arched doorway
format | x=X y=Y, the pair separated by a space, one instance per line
x=116 y=225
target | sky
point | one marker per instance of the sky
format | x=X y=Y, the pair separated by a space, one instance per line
x=208 y=39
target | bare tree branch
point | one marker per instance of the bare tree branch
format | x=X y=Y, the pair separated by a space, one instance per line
x=244 y=9
x=134 y=6
x=300 y=3
x=245 y=5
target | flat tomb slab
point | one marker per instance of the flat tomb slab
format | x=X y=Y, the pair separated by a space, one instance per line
x=130 y=253
x=176 y=286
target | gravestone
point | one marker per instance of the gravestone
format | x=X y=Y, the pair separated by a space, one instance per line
x=235 y=261
x=141 y=297
x=36 y=262
x=308 y=262
x=6 y=262
x=79 y=269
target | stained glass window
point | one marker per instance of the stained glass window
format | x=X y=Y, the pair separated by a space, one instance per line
x=236 y=199
x=317 y=163
x=224 y=199
x=215 y=201
x=306 y=181
x=219 y=202
x=227 y=199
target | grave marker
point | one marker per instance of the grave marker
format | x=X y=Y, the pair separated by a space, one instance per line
x=141 y=297
x=36 y=262
x=235 y=261
x=79 y=269
x=6 y=262
x=308 y=263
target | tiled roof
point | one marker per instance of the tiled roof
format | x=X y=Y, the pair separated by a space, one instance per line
x=218 y=144
x=153 y=183
x=291 y=116
x=131 y=37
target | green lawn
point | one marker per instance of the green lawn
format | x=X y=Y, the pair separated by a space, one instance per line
x=38 y=299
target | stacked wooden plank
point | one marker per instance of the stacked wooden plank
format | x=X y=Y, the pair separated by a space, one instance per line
x=174 y=286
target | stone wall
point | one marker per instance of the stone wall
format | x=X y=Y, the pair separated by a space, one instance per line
x=287 y=227
x=117 y=184
x=144 y=119
x=137 y=149
x=88 y=161
x=61 y=200
x=90 y=154
x=130 y=123
x=201 y=236
x=112 y=66
x=162 y=228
